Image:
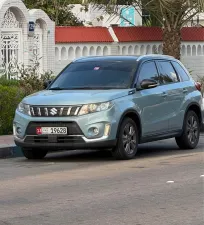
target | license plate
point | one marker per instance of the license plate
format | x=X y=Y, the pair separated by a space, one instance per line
x=51 y=130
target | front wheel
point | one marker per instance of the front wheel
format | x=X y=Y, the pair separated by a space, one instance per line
x=126 y=147
x=191 y=132
x=31 y=153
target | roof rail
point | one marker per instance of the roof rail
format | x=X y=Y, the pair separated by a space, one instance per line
x=153 y=55
x=86 y=57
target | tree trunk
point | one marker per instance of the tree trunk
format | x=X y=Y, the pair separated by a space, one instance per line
x=172 y=42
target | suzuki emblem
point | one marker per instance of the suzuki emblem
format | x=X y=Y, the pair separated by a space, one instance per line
x=53 y=111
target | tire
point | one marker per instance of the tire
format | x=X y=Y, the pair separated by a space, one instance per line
x=30 y=153
x=127 y=144
x=191 y=132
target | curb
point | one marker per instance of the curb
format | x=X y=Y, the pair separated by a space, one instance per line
x=10 y=152
x=15 y=151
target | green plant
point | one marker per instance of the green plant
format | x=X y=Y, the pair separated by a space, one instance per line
x=30 y=78
x=10 y=96
x=59 y=11
x=5 y=82
x=12 y=91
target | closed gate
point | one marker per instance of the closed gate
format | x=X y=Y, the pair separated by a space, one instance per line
x=10 y=45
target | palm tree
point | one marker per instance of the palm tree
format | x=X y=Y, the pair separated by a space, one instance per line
x=172 y=15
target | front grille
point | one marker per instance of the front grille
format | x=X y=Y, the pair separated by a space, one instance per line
x=72 y=127
x=54 y=139
x=52 y=111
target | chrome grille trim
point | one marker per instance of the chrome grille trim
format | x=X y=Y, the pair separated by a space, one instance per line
x=61 y=111
x=54 y=111
x=77 y=110
x=39 y=111
x=32 y=111
x=46 y=111
x=69 y=110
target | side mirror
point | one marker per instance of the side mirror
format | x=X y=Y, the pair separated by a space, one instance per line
x=47 y=83
x=148 y=83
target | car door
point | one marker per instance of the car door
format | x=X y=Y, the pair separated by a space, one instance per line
x=151 y=102
x=174 y=94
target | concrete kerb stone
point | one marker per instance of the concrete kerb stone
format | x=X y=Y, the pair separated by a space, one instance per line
x=10 y=151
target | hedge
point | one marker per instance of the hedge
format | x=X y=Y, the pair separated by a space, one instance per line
x=10 y=97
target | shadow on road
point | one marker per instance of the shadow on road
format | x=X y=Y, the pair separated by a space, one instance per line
x=154 y=149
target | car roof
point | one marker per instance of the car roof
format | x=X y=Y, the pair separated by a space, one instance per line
x=129 y=58
x=107 y=58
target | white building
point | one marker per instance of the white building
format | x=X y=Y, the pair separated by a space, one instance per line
x=17 y=43
x=93 y=15
x=58 y=46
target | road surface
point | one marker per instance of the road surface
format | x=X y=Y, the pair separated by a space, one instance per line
x=161 y=186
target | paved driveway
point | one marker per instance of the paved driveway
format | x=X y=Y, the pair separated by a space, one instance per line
x=162 y=186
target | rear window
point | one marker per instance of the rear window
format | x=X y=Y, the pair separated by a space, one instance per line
x=167 y=72
x=180 y=71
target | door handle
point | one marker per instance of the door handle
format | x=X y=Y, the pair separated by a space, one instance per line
x=164 y=94
x=185 y=90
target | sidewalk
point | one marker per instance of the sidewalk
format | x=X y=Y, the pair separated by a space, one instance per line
x=8 y=147
x=6 y=141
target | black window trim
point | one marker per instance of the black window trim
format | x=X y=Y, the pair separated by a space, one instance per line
x=184 y=69
x=167 y=60
x=140 y=67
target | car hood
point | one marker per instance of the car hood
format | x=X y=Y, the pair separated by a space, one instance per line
x=74 y=97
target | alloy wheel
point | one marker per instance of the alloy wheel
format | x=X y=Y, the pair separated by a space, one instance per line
x=192 y=129
x=129 y=138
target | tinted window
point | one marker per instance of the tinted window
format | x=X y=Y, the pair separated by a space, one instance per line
x=101 y=74
x=148 y=71
x=168 y=74
x=180 y=71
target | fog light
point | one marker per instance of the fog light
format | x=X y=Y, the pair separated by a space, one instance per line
x=96 y=131
x=107 y=130
x=18 y=130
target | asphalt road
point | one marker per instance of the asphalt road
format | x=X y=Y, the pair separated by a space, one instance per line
x=161 y=186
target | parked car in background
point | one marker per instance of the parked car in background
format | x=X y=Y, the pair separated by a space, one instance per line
x=113 y=103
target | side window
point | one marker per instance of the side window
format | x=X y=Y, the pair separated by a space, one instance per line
x=167 y=72
x=180 y=71
x=148 y=71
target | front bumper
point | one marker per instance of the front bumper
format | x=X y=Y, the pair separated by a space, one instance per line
x=79 y=131
x=52 y=146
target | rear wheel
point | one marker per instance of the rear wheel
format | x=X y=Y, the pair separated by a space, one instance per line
x=191 y=132
x=31 y=153
x=126 y=147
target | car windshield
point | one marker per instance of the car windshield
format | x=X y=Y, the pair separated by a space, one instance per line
x=95 y=75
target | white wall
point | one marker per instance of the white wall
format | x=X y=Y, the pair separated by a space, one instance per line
x=65 y=53
x=193 y=57
x=192 y=53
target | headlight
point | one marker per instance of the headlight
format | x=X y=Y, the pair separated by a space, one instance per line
x=96 y=107
x=24 y=108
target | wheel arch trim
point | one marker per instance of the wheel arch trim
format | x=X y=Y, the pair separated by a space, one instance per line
x=124 y=115
x=188 y=107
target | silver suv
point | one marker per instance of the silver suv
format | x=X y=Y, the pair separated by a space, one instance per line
x=112 y=102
